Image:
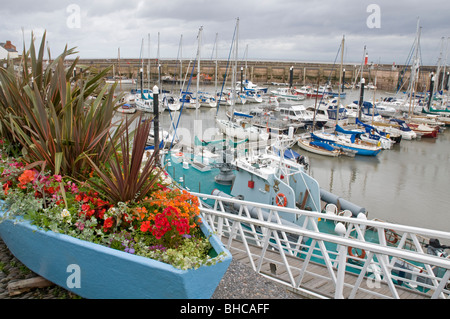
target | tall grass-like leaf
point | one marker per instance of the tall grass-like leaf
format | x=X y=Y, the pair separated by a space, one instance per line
x=49 y=110
x=125 y=177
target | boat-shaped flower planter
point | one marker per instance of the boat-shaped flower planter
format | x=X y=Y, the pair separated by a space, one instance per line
x=99 y=272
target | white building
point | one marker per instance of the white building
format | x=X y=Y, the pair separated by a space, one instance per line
x=7 y=49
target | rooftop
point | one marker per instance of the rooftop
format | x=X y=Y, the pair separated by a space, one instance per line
x=8 y=46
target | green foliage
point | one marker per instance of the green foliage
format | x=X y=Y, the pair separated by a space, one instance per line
x=127 y=177
x=19 y=203
x=192 y=253
x=49 y=110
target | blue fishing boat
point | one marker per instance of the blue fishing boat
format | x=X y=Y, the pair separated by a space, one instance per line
x=274 y=175
x=263 y=177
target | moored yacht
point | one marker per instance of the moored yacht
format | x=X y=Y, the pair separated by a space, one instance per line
x=298 y=113
x=286 y=93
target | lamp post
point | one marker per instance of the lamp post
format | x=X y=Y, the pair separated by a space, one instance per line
x=291 y=77
x=343 y=80
x=156 y=122
x=431 y=89
x=361 y=98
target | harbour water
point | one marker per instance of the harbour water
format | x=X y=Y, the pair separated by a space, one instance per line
x=408 y=184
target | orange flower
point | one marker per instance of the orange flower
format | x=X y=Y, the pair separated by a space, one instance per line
x=27 y=176
x=141 y=211
x=171 y=211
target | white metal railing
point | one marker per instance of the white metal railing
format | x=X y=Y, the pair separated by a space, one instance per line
x=393 y=263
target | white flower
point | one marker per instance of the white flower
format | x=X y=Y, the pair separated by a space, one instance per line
x=65 y=213
x=111 y=212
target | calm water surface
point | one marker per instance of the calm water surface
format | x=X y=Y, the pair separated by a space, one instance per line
x=409 y=184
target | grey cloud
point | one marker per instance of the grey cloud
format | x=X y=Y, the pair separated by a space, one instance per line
x=296 y=30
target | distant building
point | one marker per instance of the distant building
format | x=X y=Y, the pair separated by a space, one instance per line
x=7 y=49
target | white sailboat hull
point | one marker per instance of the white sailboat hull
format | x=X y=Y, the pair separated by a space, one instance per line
x=234 y=130
x=305 y=145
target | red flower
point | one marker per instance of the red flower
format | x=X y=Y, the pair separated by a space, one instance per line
x=145 y=226
x=169 y=210
x=6 y=187
x=101 y=213
x=182 y=225
x=51 y=190
x=109 y=222
x=90 y=213
x=162 y=225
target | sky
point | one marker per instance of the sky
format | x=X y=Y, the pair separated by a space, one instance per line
x=287 y=30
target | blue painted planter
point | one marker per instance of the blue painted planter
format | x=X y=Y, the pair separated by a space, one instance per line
x=94 y=271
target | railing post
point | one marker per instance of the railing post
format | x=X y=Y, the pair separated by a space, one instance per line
x=338 y=294
x=440 y=287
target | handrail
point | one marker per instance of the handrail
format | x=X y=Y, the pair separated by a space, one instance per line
x=365 y=222
x=384 y=261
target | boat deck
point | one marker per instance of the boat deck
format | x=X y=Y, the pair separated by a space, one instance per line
x=316 y=281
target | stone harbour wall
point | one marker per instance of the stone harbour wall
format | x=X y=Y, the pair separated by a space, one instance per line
x=385 y=76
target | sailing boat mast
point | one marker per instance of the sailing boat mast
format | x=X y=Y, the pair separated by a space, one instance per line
x=148 y=64
x=159 y=68
x=438 y=69
x=181 y=65
x=118 y=71
x=198 y=67
x=340 y=80
x=215 y=76
x=445 y=66
x=361 y=68
x=414 y=70
x=361 y=83
x=141 y=71
x=374 y=92
x=233 y=74
x=226 y=176
x=246 y=58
